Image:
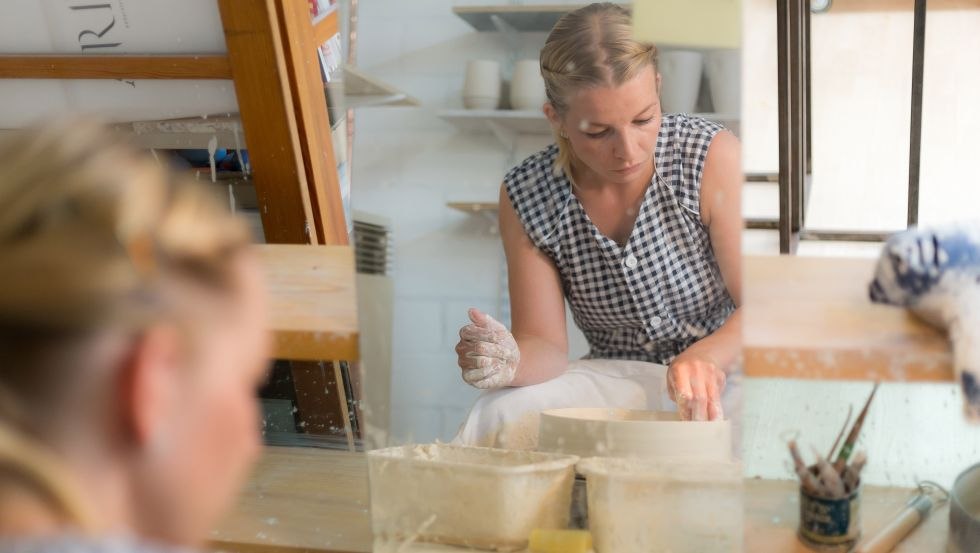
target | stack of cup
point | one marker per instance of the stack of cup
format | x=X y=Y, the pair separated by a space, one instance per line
x=481 y=90
x=527 y=87
x=680 y=72
x=724 y=71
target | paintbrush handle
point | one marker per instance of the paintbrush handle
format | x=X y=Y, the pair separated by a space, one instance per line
x=848 y=447
x=896 y=530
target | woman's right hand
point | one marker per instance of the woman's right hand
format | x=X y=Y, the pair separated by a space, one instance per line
x=488 y=353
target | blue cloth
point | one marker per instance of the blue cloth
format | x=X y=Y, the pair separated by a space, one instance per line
x=914 y=261
x=931 y=272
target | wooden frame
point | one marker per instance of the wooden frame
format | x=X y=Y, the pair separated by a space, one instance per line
x=114 y=67
x=274 y=62
x=271 y=58
x=275 y=93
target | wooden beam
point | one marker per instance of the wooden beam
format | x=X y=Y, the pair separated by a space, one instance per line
x=114 y=67
x=326 y=28
x=313 y=303
x=269 y=120
x=313 y=122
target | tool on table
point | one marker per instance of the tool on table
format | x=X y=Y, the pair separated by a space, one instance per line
x=848 y=447
x=931 y=496
x=560 y=541
x=823 y=479
x=833 y=448
x=830 y=492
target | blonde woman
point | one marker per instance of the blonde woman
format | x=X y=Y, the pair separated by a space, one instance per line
x=633 y=218
x=131 y=344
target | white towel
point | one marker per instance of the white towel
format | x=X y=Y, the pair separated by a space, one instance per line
x=508 y=417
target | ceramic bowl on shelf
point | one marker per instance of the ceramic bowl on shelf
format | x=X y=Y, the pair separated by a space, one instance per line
x=481 y=88
x=601 y=432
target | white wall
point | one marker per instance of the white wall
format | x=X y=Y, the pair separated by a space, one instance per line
x=407 y=164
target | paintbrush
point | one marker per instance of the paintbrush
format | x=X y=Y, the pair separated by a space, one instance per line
x=852 y=473
x=831 y=480
x=843 y=429
x=807 y=479
x=848 y=447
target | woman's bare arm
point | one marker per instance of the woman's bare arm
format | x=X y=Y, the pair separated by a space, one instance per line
x=537 y=304
x=697 y=376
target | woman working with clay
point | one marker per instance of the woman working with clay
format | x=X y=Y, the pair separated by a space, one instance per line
x=633 y=217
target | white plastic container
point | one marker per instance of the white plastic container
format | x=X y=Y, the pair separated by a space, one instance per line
x=468 y=496
x=601 y=432
x=677 y=506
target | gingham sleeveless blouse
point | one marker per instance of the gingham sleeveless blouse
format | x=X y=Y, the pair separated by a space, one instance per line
x=663 y=290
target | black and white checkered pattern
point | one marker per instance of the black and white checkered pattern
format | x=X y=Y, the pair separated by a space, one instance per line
x=660 y=293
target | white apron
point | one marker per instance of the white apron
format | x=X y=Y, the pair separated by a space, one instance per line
x=508 y=417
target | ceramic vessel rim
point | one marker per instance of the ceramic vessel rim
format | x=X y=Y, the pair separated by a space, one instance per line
x=548 y=460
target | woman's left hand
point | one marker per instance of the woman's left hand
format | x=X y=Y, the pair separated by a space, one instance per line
x=695 y=383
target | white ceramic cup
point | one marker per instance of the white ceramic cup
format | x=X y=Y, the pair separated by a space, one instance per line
x=527 y=86
x=724 y=80
x=680 y=72
x=481 y=89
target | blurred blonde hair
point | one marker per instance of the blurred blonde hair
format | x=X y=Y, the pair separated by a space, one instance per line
x=590 y=46
x=94 y=235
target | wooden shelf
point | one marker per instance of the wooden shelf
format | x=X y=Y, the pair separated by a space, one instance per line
x=531 y=18
x=506 y=124
x=474 y=207
x=313 y=301
x=362 y=90
x=516 y=121
x=810 y=317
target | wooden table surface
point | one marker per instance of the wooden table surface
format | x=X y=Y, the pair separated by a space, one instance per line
x=810 y=317
x=301 y=499
x=772 y=514
x=305 y=499
x=313 y=304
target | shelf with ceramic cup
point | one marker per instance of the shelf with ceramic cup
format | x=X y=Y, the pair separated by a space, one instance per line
x=506 y=124
x=483 y=209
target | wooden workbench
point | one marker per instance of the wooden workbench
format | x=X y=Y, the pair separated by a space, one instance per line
x=810 y=317
x=303 y=499
x=772 y=514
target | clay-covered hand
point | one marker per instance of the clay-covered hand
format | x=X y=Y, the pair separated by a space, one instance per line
x=488 y=353
x=695 y=383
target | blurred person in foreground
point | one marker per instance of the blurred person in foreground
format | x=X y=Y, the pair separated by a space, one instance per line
x=131 y=344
